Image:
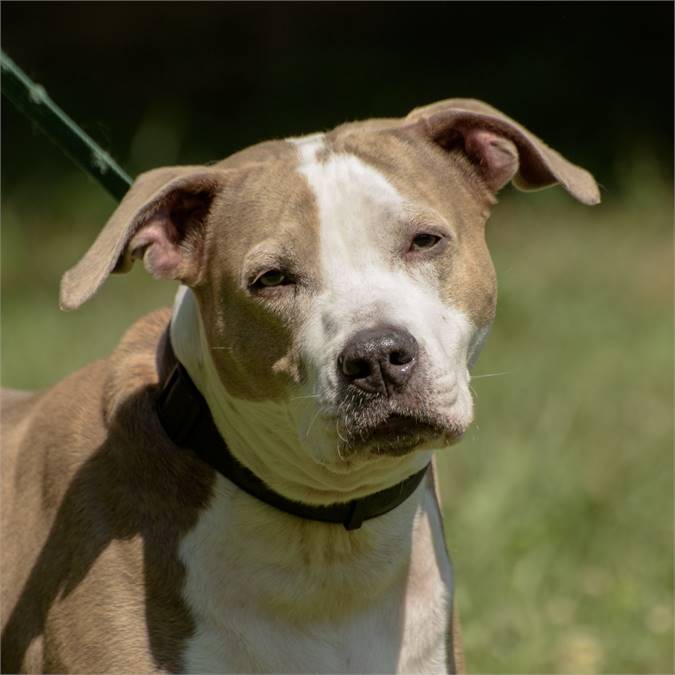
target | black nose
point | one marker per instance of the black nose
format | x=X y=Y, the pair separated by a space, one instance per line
x=379 y=359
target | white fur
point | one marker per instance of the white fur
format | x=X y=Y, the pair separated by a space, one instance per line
x=271 y=593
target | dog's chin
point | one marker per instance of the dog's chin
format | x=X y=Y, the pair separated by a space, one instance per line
x=401 y=434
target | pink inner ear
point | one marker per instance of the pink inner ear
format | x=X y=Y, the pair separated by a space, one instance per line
x=496 y=155
x=169 y=240
x=157 y=243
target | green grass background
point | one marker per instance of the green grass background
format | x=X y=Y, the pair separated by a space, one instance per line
x=559 y=502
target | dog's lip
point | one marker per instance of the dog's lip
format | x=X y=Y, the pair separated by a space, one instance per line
x=398 y=433
x=399 y=429
x=397 y=424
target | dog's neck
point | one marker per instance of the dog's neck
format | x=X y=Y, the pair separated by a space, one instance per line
x=262 y=435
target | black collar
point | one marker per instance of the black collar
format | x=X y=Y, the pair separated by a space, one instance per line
x=187 y=420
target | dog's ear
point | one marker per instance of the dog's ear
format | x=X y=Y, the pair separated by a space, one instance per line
x=501 y=149
x=161 y=219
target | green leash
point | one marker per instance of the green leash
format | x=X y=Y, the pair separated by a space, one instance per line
x=32 y=100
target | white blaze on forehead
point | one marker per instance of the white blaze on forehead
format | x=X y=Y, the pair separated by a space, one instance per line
x=357 y=209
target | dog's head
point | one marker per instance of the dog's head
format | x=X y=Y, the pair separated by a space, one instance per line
x=344 y=275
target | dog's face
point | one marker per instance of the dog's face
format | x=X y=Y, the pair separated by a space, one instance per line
x=357 y=297
x=343 y=275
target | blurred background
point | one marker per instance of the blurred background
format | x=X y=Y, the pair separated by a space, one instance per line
x=559 y=502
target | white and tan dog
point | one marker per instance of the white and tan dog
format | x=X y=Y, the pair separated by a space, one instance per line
x=335 y=290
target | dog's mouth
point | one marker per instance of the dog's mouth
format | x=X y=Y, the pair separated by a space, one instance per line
x=397 y=433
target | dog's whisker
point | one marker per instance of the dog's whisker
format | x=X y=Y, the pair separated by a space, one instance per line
x=296 y=398
x=311 y=424
x=337 y=431
x=506 y=372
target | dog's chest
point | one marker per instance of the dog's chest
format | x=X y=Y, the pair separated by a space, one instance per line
x=261 y=605
x=369 y=642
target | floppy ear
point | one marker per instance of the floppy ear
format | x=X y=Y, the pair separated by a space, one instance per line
x=501 y=149
x=161 y=219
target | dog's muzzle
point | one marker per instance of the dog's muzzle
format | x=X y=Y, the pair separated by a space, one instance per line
x=382 y=406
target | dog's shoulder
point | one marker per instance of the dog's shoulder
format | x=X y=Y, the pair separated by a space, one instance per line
x=90 y=490
x=136 y=364
x=82 y=405
x=49 y=435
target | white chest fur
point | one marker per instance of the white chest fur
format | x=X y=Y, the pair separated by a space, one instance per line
x=273 y=593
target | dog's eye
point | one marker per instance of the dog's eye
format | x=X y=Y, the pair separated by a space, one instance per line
x=270 y=279
x=424 y=241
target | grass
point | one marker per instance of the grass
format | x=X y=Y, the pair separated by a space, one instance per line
x=559 y=502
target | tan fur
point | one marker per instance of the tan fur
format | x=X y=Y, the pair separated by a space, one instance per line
x=257 y=343
x=539 y=165
x=91 y=582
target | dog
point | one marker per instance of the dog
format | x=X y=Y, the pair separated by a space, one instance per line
x=245 y=484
